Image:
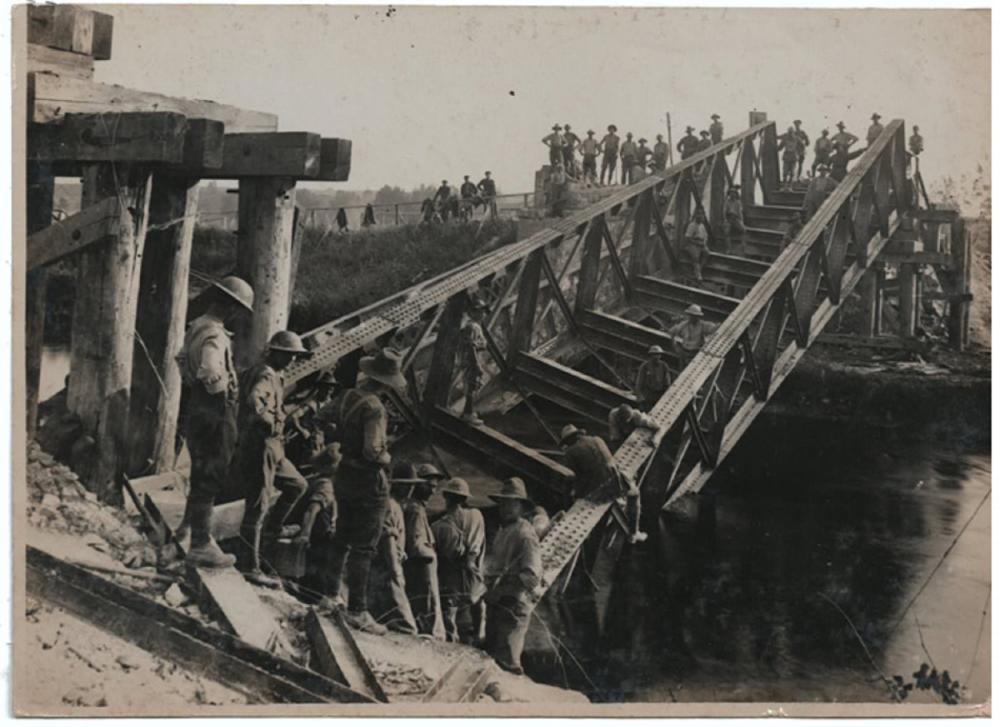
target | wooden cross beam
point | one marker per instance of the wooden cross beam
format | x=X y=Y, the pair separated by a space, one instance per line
x=159 y=137
x=92 y=224
x=291 y=154
x=42 y=58
x=50 y=97
x=71 y=28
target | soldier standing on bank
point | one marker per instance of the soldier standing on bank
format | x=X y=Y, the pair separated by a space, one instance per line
x=609 y=151
x=460 y=541
x=420 y=568
x=362 y=483
x=272 y=483
x=208 y=421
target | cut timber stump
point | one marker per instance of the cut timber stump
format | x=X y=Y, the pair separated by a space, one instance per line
x=338 y=656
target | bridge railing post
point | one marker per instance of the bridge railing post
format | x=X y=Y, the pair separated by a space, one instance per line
x=770 y=170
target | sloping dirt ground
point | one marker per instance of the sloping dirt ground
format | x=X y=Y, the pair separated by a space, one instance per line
x=74 y=665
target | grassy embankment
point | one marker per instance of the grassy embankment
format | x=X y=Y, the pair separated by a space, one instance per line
x=336 y=273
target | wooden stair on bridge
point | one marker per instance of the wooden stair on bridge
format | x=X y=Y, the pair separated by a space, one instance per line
x=734 y=270
x=581 y=394
x=625 y=337
x=763 y=241
x=769 y=216
x=787 y=197
x=497 y=453
x=674 y=298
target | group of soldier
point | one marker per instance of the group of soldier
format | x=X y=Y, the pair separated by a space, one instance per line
x=445 y=204
x=636 y=158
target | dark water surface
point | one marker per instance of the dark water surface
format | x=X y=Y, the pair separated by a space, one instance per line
x=733 y=602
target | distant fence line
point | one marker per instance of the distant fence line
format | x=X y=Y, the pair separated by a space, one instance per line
x=386 y=215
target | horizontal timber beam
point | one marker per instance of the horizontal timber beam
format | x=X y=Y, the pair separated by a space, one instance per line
x=93 y=224
x=43 y=59
x=51 y=97
x=71 y=28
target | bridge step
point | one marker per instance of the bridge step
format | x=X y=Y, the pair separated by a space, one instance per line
x=570 y=389
x=734 y=270
x=625 y=337
x=674 y=298
x=497 y=453
x=769 y=216
x=788 y=198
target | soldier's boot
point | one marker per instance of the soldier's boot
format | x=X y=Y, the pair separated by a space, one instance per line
x=357 y=614
x=249 y=560
x=205 y=552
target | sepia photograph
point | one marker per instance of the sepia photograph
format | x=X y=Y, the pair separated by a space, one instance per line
x=376 y=360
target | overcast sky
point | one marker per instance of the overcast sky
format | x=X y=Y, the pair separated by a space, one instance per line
x=431 y=93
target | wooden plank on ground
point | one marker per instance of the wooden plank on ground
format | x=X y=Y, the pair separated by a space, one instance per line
x=71 y=28
x=43 y=59
x=464 y=681
x=93 y=224
x=227 y=595
x=338 y=656
x=179 y=638
x=53 y=97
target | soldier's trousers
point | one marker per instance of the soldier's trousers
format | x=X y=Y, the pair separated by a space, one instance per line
x=387 y=590
x=425 y=596
x=506 y=626
x=608 y=164
x=359 y=523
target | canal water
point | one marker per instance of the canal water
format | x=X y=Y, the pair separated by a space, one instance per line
x=739 y=595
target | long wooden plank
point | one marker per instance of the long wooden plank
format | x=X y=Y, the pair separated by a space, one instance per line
x=71 y=28
x=269 y=154
x=135 y=137
x=178 y=637
x=95 y=223
x=463 y=682
x=43 y=59
x=52 y=97
x=228 y=596
x=338 y=655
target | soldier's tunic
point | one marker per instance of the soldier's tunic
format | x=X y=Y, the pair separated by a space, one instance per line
x=688 y=146
x=460 y=541
x=819 y=189
x=660 y=154
x=609 y=160
x=420 y=569
x=628 y=154
x=387 y=582
x=593 y=466
x=514 y=577
x=874 y=132
x=621 y=424
x=473 y=348
x=208 y=414
x=715 y=131
x=821 y=151
x=693 y=336
x=651 y=381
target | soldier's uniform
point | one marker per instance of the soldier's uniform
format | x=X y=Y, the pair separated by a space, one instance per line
x=660 y=155
x=460 y=541
x=593 y=466
x=420 y=569
x=789 y=148
x=695 y=245
x=387 y=582
x=733 y=224
x=589 y=147
x=609 y=160
x=821 y=152
x=651 y=381
x=272 y=484
x=628 y=154
x=819 y=189
x=874 y=132
x=715 y=130
x=692 y=335
x=208 y=421
x=555 y=142
x=916 y=143
x=803 y=143
x=623 y=420
x=570 y=140
x=688 y=145
x=844 y=138
x=471 y=352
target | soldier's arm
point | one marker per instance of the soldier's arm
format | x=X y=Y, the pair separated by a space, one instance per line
x=211 y=370
x=260 y=400
x=375 y=448
x=530 y=563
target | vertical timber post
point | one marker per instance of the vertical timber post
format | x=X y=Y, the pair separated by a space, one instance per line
x=769 y=168
x=162 y=311
x=958 y=309
x=747 y=183
x=717 y=198
x=264 y=259
x=40 y=187
x=869 y=289
x=907 y=299
x=104 y=318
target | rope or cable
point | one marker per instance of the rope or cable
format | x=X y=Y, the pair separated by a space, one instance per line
x=941 y=560
x=156 y=371
x=979 y=636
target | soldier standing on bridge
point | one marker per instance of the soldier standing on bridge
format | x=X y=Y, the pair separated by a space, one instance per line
x=460 y=541
x=488 y=191
x=557 y=184
x=471 y=354
x=715 y=130
x=803 y=144
x=386 y=582
x=875 y=130
x=732 y=223
x=513 y=570
x=839 y=160
x=208 y=421
x=570 y=140
x=421 y=562
x=691 y=333
x=705 y=142
x=642 y=154
x=821 y=150
x=597 y=477
x=589 y=148
x=688 y=145
x=628 y=158
x=652 y=379
x=555 y=142
x=843 y=137
x=272 y=484
x=609 y=151
x=789 y=148
x=696 y=242
x=660 y=153
x=362 y=485
x=819 y=189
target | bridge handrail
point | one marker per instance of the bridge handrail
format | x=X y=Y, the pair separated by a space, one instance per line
x=406 y=307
